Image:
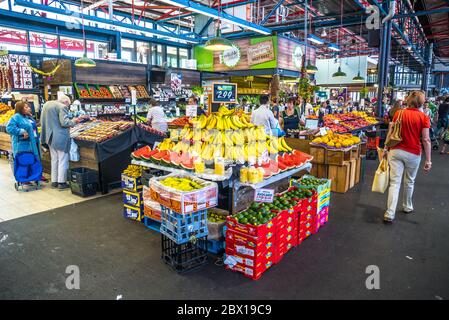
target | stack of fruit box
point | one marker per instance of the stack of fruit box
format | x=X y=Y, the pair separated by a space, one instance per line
x=132 y=198
x=308 y=222
x=252 y=247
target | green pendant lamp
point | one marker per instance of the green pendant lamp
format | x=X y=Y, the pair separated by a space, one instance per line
x=84 y=62
x=218 y=43
x=310 y=68
x=358 y=78
x=339 y=73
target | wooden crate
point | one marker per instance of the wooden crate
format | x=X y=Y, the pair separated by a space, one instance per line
x=353 y=169
x=340 y=176
x=322 y=170
x=337 y=157
x=355 y=152
x=299 y=144
x=5 y=141
x=363 y=149
x=318 y=153
x=314 y=170
x=358 y=170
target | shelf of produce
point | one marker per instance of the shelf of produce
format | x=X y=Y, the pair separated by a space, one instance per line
x=111 y=100
x=362 y=128
x=209 y=177
x=307 y=166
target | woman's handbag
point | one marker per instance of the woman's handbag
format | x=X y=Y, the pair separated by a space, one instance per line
x=381 y=177
x=394 y=137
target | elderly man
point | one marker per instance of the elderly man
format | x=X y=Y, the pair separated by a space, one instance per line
x=55 y=133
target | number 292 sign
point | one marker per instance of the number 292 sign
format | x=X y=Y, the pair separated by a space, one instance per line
x=224 y=93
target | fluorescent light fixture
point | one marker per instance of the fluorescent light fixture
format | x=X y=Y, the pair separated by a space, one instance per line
x=174 y=3
x=313 y=38
x=333 y=47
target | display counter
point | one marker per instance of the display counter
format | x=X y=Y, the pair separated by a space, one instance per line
x=5 y=142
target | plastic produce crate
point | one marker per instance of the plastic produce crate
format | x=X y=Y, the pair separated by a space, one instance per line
x=82 y=175
x=84 y=189
x=183 y=228
x=184 y=257
x=184 y=202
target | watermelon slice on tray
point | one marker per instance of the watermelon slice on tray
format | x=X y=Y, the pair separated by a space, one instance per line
x=187 y=161
x=175 y=159
x=137 y=155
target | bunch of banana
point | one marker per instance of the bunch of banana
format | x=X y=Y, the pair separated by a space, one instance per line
x=174 y=134
x=227 y=138
x=216 y=137
x=211 y=122
x=260 y=133
x=200 y=122
x=246 y=121
x=284 y=145
x=133 y=171
x=238 y=138
x=197 y=135
x=237 y=122
x=185 y=132
x=167 y=144
x=196 y=148
x=223 y=111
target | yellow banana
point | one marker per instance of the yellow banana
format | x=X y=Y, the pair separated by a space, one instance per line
x=212 y=122
x=284 y=144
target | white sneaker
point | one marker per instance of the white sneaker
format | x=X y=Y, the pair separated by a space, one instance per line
x=388 y=218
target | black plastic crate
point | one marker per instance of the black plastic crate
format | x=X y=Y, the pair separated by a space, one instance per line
x=84 y=189
x=184 y=257
x=82 y=175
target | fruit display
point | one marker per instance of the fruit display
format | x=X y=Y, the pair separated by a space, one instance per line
x=94 y=92
x=182 y=184
x=105 y=93
x=4 y=107
x=261 y=213
x=142 y=92
x=4 y=118
x=336 y=141
x=181 y=122
x=125 y=91
x=133 y=171
x=215 y=218
x=100 y=131
x=115 y=92
x=312 y=182
x=347 y=122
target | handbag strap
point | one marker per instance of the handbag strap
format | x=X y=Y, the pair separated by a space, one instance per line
x=399 y=119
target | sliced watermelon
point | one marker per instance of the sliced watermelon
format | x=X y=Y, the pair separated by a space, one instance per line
x=156 y=158
x=287 y=161
x=147 y=155
x=175 y=159
x=138 y=153
x=165 y=158
x=187 y=161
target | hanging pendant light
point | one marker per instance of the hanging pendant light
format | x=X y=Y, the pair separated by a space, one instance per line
x=358 y=77
x=310 y=68
x=84 y=62
x=339 y=73
x=218 y=43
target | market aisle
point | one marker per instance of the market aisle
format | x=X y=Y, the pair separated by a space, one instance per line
x=19 y=204
x=121 y=257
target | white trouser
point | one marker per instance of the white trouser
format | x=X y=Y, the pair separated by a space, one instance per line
x=59 y=165
x=401 y=163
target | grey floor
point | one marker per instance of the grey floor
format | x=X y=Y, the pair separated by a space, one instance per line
x=118 y=257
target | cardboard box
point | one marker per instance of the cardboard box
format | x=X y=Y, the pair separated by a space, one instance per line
x=340 y=176
x=133 y=199
x=318 y=153
x=131 y=184
x=133 y=213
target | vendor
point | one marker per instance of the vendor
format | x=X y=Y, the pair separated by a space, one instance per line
x=193 y=101
x=309 y=108
x=156 y=116
x=290 y=117
x=263 y=116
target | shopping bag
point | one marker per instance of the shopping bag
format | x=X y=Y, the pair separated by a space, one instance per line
x=74 y=153
x=394 y=137
x=381 y=177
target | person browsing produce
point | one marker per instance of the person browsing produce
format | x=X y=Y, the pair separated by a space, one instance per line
x=290 y=116
x=263 y=116
x=156 y=117
x=23 y=130
x=405 y=157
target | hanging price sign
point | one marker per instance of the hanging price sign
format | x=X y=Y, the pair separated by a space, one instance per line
x=224 y=93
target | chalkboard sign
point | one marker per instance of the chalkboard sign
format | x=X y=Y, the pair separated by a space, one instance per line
x=224 y=93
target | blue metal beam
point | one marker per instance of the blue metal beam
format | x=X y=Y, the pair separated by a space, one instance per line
x=207 y=11
x=206 y=26
x=265 y=19
x=101 y=20
x=421 y=13
x=39 y=24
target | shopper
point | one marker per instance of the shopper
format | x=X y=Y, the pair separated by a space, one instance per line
x=442 y=117
x=275 y=107
x=23 y=130
x=405 y=157
x=290 y=117
x=156 y=116
x=55 y=134
x=309 y=108
x=427 y=111
x=193 y=101
x=445 y=141
x=328 y=107
x=396 y=107
x=263 y=116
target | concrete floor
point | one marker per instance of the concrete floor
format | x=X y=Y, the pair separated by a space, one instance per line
x=121 y=257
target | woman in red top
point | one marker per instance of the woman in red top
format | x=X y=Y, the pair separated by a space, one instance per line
x=405 y=157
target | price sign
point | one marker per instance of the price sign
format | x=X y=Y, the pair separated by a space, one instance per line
x=191 y=111
x=264 y=195
x=224 y=93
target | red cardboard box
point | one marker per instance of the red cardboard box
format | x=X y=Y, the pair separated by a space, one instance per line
x=261 y=231
x=236 y=238
x=251 y=272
